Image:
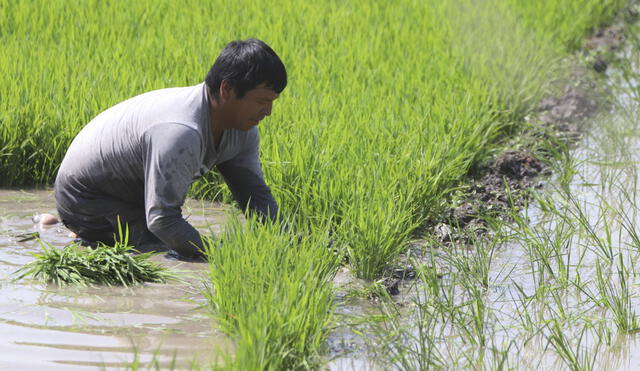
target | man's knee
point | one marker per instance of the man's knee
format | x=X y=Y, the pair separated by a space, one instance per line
x=103 y=219
x=88 y=229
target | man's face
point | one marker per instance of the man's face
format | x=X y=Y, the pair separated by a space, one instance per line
x=246 y=112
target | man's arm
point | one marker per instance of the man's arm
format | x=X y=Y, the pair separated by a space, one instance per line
x=243 y=175
x=249 y=190
x=171 y=158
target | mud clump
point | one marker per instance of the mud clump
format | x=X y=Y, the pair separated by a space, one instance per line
x=607 y=38
x=574 y=105
x=505 y=182
x=501 y=185
x=516 y=165
x=601 y=45
x=565 y=112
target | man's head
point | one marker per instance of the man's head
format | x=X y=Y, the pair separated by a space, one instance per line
x=244 y=81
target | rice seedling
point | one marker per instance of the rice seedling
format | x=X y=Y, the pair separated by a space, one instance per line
x=524 y=310
x=572 y=350
x=154 y=364
x=374 y=227
x=471 y=269
x=429 y=276
x=74 y=264
x=615 y=295
x=603 y=245
x=604 y=332
x=414 y=341
x=547 y=244
x=272 y=293
x=414 y=346
x=500 y=357
x=628 y=215
x=473 y=323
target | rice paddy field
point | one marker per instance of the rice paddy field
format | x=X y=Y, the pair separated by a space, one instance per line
x=389 y=109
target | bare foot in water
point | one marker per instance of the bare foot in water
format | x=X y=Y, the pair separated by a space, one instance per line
x=45 y=220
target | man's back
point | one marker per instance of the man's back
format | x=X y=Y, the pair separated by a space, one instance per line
x=136 y=161
x=107 y=155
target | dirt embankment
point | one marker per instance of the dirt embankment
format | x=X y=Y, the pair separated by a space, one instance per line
x=508 y=178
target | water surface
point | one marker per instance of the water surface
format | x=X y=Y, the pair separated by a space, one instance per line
x=69 y=328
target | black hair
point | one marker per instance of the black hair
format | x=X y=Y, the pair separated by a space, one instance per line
x=246 y=64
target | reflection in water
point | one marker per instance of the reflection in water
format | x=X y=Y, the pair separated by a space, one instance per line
x=47 y=327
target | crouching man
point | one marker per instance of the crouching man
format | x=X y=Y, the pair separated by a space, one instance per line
x=135 y=161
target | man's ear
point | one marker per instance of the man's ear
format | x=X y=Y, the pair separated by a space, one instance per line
x=226 y=90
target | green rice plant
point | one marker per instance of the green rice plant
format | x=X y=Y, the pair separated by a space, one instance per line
x=462 y=302
x=154 y=364
x=373 y=132
x=627 y=215
x=429 y=275
x=491 y=357
x=447 y=302
x=473 y=264
x=548 y=245
x=414 y=341
x=384 y=113
x=500 y=358
x=74 y=264
x=616 y=296
x=414 y=346
x=525 y=309
x=557 y=304
x=375 y=230
x=604 y=332
x=471 y=318
x=271 y=291
x=572 y=350
x=546 y=18
x=603 y=245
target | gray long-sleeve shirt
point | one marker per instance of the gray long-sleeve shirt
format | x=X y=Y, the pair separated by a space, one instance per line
x=147 y=151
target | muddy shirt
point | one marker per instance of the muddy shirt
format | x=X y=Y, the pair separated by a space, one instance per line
x=147 y=150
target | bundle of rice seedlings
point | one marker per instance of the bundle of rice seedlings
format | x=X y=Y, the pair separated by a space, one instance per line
x=114 y=265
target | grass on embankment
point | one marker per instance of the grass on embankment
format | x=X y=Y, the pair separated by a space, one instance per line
x=389 y=105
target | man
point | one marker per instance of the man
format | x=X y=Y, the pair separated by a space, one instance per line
x=134 y=162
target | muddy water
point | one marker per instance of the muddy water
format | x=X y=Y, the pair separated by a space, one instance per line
x=604 y=188
x=48 y=327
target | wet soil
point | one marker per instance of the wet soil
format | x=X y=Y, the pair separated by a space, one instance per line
x=505 y=181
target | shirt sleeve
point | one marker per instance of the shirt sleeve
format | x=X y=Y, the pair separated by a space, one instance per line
x=243 y=175
x=171 y=157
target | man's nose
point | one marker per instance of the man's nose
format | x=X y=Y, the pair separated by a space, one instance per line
x=267 y=111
